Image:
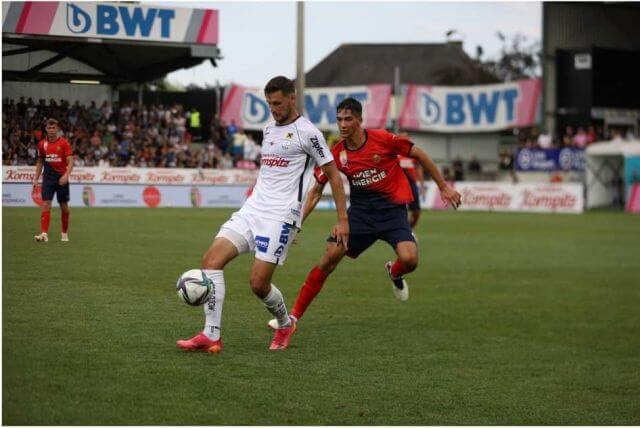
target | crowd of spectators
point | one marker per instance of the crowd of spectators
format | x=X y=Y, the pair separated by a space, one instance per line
x=120 y=135
x=572 y=136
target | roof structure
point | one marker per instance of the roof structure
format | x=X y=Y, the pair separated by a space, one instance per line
x=121 y=42
x=444 y=64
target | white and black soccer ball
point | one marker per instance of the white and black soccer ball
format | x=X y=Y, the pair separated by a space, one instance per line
x=194 y=288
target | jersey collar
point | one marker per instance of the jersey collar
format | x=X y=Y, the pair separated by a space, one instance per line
x=366 y=138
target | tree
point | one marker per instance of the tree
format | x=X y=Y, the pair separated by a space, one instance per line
x=519 y=58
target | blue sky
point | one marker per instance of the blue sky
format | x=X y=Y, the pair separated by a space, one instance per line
x=258 y=39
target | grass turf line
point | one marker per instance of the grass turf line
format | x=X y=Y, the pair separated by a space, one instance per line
x=513 y=319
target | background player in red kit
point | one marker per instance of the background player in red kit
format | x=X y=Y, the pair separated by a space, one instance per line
x=415 y=174
x=54 y=154
x=379 y=195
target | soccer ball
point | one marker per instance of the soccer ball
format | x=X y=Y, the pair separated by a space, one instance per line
x=194 y=288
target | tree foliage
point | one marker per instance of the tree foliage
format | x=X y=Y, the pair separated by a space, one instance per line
x=520 y=58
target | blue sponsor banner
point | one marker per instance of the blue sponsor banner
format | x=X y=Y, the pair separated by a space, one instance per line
x=540 y=160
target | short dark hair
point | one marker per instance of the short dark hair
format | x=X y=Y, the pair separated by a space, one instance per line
x=350 y=104
x=280 y=83
x=52 y=121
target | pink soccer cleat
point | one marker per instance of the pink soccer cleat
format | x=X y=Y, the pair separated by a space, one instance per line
x=282 y=337
x=201 y=341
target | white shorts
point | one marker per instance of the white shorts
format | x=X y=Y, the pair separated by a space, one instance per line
x=269 y=239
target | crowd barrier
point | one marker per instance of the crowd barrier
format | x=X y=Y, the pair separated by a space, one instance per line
x=136 y=187
x=154 y=187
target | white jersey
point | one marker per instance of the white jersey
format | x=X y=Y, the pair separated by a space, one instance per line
x=289 y=155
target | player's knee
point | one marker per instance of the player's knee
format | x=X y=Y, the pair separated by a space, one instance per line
x=259 y=285
x=410 y=262
x=46 y=206
x=212 y=260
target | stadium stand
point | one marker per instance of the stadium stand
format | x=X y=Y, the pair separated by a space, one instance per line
x=123 y=135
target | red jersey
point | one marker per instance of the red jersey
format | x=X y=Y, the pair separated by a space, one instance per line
x=409 y=166
x=55 y=155
x=375 y=177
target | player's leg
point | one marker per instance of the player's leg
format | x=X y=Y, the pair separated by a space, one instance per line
x=317 y=277
x=272 y=241
x=414 y=206
x=414 y=216
x=47 y=192
x=62 y=194
x=402 y=240
x=228 y=244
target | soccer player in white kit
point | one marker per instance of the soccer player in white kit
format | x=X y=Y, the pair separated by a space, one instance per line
x=271 y=216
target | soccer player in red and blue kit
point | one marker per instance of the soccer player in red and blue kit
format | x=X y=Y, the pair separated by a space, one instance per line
x=55 y=156
x=380 y=193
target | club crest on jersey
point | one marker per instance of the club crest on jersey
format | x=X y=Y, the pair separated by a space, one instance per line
x=290 y=135
x=343 y=158
x=376 y=158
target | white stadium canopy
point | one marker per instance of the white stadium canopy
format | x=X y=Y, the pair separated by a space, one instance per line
x=605 y=172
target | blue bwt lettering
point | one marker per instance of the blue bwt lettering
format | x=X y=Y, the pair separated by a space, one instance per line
x=134 y=23
x=481 y=107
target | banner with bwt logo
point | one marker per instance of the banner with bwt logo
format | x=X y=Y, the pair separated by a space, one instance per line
x=127 y=21
x=472 y=108
x=248 y=109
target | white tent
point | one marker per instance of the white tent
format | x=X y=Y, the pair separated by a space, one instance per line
x=605 y=182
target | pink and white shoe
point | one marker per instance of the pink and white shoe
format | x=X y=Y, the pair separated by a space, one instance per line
x=282 y=337
x=201 y=342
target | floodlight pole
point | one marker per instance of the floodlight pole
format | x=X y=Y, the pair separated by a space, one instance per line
x=300 y=59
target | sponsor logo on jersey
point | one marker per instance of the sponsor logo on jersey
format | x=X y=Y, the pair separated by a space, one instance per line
x=262 y=243
x=274 y=161
x=367 y=177
x=53 y=157
x=315 y=143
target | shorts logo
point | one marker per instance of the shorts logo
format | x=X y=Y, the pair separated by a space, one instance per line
x=279 y=251
x=262 y=243
x=284 y=234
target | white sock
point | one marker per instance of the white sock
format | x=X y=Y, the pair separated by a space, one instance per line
x=213 y=307
x=275 y=304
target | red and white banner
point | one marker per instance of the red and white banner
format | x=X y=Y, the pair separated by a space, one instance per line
x=471 y=108
x=134 y=22
x=525 y=197
x=248 y=109
x=163 y=176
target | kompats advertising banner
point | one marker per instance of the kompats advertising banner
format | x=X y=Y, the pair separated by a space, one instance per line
x=102 y=20
x=248 y=109
x=471 y=108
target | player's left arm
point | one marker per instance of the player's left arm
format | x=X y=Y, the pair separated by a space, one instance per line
x=447 y=192
x=65 y=178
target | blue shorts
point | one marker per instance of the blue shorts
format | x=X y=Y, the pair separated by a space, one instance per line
x=50 y=186
x=394 y=230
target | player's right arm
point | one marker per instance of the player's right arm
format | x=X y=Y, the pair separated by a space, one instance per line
x=315 y=194
x=341 y=229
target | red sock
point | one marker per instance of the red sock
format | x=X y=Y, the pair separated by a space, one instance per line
x=309 y=290
x=398 y=269
x=45 y=217
x=65 y=221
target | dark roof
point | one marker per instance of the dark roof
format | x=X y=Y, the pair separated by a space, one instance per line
x=428 y=64
x=121 y=62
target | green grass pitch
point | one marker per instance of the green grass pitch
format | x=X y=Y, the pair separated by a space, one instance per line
x=513 y=319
